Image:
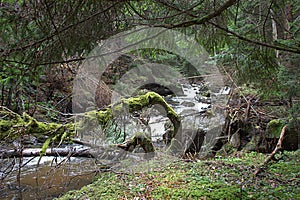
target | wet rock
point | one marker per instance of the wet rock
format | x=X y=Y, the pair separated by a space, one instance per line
x=235 y=140
x=187 y=112
x=194 y=140
x=160 y=89
x=188 y=86
x=291 y=138
x=188 y=104
x=203 y=99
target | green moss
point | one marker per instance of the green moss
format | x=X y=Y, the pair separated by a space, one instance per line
x=150 y=98
x=12 y=124
x=45 y=146
x=223 y=178
x=104 y=116
x=274 y=128
x=102 y=191
x=227 y=149
x=4 y=127
x=89 y=120
x=289 y=167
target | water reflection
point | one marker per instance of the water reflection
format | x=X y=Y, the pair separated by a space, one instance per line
x=51 y=178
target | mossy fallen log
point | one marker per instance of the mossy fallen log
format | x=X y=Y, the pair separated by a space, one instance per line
x=139 y=139
x=13 y=126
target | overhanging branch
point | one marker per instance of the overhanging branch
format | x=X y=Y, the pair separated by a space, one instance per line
x=6 y=52
x=202 y=20
x=207 y=19
x=292 y=50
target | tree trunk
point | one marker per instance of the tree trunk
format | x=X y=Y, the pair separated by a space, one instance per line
x=13 y=126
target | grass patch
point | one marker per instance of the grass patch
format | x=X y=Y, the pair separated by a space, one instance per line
x=218 y=178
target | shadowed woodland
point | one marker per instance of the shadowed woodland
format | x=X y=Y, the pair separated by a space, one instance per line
x=254 y=45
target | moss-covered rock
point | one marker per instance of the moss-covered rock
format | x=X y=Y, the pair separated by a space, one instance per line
x=274 y=128
x=291 y=138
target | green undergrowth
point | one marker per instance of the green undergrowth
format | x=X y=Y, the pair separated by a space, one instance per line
x=218 y=178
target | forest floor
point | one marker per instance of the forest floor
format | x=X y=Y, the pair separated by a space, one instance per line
x=222 y=177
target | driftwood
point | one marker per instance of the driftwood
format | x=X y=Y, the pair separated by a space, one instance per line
x=36 y=152
x=277 y=148
x=111 y=152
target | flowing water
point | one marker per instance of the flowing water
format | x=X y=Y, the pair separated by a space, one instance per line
x=48 y=177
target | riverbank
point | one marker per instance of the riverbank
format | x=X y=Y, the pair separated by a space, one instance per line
x=230 y=177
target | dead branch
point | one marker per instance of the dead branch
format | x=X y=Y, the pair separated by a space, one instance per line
x=35 y=152
x=277 y=148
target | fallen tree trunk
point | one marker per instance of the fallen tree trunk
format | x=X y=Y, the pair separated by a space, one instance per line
x=139 y=139
x=14 y=126
x=35 y=152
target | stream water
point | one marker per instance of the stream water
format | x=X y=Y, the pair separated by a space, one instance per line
x=31 y=178
x=51 y=178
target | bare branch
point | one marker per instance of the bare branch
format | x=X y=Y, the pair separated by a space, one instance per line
x=277 y=148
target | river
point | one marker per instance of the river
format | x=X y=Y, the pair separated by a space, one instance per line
x=49 y=177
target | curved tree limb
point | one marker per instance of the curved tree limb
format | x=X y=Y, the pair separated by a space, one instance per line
x=14 y=126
